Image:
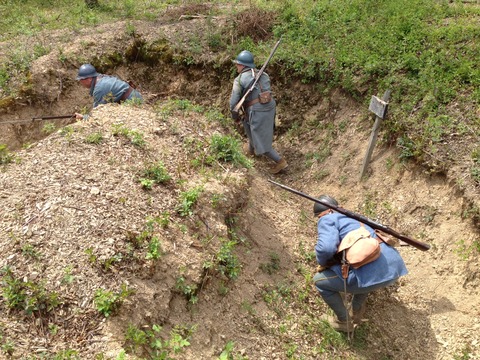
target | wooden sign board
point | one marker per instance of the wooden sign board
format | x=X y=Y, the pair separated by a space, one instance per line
x=378 y=107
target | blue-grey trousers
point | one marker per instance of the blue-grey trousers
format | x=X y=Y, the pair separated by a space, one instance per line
x=330 y=285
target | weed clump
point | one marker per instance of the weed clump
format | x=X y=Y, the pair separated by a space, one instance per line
x=255 y=23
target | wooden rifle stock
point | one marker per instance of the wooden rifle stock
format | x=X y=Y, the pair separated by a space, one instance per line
x=237 y=107
x=417 y=244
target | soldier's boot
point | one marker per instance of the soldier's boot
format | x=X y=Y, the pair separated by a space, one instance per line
x=358 y=316
x=279 y=166
x=343 y=326
x=248 y=150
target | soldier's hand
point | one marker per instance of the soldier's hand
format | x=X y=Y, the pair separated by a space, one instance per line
x=234 y=115
x=321 y=268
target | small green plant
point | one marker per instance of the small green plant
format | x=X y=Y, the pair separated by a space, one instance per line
x=279 y=297
x=222 y=289
x=227 y=148
x=290 y=350
x=5 y=156
x=135 y=137
x=31 y=297
x=227 y=262
x=369 y=207
x=466 y=353
x=465 y=251
x=154 y=174
x=233 y=234
x=147 y=183
x=213 y=115
x=108 y=302
x=321 y=174
x=248 y=307
x=68 y=354
x=7 y=346
x=317 y=156
x=141 y=342
x=330 y=338
x=214 y=41
x=187 y=200
x=130 y=29
x=228 y=353
x=305 y=217
x=407 y=148
x=109 y=262
x=92 y=258
x=137 y=338
x=476 y=155
x=164 y=219
x=48 y=128
x=475 y=173
x=272 y=266
x=94 y=138
x=29 y=250
x=307 y=254
x=190 y=291
x=68 y=278
x=216 y=199
x=67 y=131
x=389 y=164
x=154 y=249
x=53 y=329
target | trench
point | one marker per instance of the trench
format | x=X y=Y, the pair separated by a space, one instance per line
x=160 y=74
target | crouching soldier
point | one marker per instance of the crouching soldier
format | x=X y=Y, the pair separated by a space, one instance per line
x=104 y=88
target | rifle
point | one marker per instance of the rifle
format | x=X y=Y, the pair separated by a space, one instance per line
x=251 y=86
x=417 y=244
x=71 y=116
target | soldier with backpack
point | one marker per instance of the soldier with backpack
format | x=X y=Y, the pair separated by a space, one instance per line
x=259 y=111
x=352 y=260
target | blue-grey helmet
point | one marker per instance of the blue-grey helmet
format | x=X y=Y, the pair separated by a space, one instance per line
x=245 y=58
x=318 y=208
x=86 y=71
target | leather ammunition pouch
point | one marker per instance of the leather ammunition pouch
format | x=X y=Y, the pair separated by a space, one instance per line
x=265 y=97
x=359 y=248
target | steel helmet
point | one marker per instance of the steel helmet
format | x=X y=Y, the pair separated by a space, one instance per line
x=245 y=58
x=86 y=71
x=318 y=208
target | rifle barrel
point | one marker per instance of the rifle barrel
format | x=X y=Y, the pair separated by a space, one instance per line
x=54 y=117
x=37 y=118
x=417 y=244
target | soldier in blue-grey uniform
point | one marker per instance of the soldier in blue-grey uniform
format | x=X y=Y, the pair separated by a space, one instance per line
x=259 y=110
x=332 y=228
x=104 y=88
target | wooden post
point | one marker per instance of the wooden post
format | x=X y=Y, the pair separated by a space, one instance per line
x=379 y=108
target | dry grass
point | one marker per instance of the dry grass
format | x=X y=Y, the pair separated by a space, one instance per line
x=255 y=23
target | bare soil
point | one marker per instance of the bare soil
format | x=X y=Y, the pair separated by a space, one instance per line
x=70 y=208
